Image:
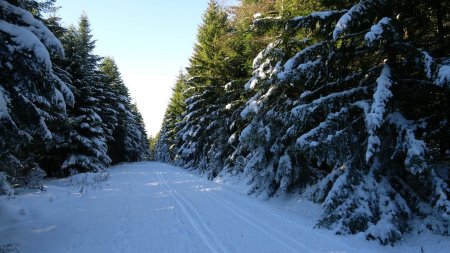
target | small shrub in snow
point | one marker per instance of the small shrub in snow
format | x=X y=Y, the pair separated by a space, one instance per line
x=34 y=178
x=5 y=187
x=8 y=248
x=88 y=179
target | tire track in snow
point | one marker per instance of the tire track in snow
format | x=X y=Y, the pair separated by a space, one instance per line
x=260 y=225
x=196 y=221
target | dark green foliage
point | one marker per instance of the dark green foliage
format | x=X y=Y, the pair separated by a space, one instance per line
x=335 y=110
x=128 y=138
x=87 y=150
x=58 y=111
x=167 y=141
x=208 y=75
x=33 y=98
x=349 y=103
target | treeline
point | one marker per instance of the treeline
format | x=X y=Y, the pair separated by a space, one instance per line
x=63 y=109
x=346 y=102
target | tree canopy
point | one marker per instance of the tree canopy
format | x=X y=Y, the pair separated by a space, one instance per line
x=346 y=102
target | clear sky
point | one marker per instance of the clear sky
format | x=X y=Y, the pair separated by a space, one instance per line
x=151 y=41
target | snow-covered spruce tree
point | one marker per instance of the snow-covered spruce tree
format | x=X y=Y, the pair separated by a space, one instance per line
x=87 y=150
x=142 y=145
x=360 y=112
x=129 y=138
x=167 y=142
x=152 y=142
x=161 y=151
x=203 y=126
x=33 y=98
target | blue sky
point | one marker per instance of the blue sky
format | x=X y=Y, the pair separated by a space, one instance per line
x=151 y=41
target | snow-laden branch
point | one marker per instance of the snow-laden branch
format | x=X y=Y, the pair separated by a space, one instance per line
x=300 y=110
x=352 y=16
x=33 y=25
x=375 y=118
x=4 y=112
x=377 y=30
x=23 y=39
x=415 y=149
x=305 y=140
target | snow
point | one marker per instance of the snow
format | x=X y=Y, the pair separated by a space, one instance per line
x=305 y=20
x=257 y=15
x=443 y=77
x=443 y=70
x=64 y=89
x=290 y=64
x=25 y=40
x=442 y=203
x=262 y=56
x=336 y=190
x=304 y=140
x=344 y=21
x=34 y=26
x=305 y=94
x=428 y=62
x=246 y=133
x=376 y=30
x=58 y=99
x=298 y=111
x=301 y=68
x=415 y=149
x=251 y=84
x=284 y=171
x=252 y=106
x=353 y=15
x=5 y=187
x=4 y=112
x=375 y=118
x=152 y=207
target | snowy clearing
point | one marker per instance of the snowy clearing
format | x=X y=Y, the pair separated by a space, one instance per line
x=153 y=207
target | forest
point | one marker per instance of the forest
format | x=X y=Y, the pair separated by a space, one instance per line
x=345 y=102
x=63 y=109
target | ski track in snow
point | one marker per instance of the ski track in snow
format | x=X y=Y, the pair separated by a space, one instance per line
x=261 y=226
x=195 y=219
x=153 y=207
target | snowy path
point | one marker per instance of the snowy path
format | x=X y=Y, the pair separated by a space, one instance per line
x=152 y=207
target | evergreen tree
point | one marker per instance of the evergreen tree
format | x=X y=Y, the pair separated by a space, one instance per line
x=152 y=143
x=207 y=79
x=33 y=98
x=87 y=150
x=168 y=142
x=142 y=146
x=129 y=139
x=216 y=71
x=350 y=113
x=349 y=101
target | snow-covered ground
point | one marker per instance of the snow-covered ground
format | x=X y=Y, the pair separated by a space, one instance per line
x=153 y=207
